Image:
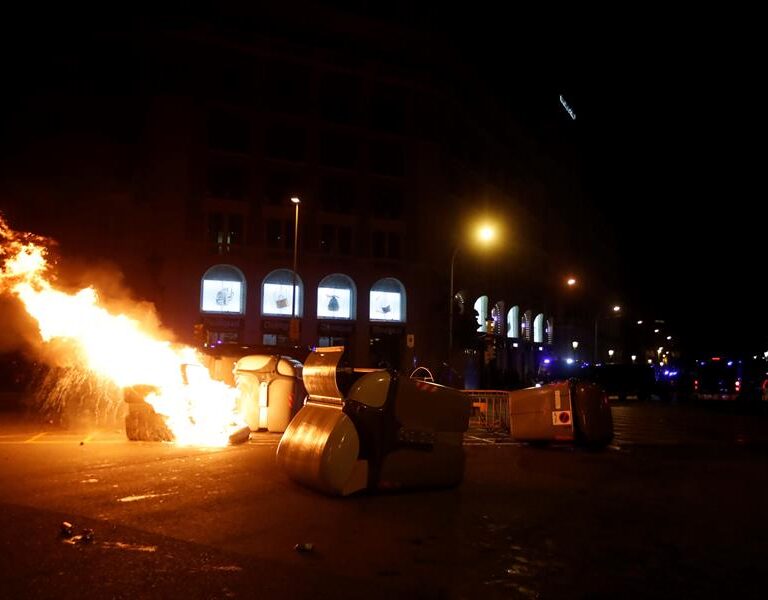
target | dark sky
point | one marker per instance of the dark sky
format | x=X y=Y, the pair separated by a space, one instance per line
x=668 y=139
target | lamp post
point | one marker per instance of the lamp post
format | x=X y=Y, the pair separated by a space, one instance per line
x=294 y=329
x=485 y=234
x=616 y=309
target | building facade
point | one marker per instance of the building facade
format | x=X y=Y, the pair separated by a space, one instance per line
x=174 y=155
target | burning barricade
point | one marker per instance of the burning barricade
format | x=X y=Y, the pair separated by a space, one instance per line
x=125 y=348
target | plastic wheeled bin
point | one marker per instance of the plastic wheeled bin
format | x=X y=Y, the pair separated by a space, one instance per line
x=563 y=411
x=270 y=390
x=385 y=431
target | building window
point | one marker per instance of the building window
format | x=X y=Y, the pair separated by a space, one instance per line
x=227 y=131
x=338 y=150
x=387 y=202
x=513 y=322
x=337 y=195
x=222 y=290
x=335 y=239
x=387 y=301
x=526 y=326
x=336 y=297
x=287 y=87
x=387 y=158
x=225 y=230
x=285 y=142
x=386 y=244
x=279 y=233
x=277 y=293
x=538 y=329
x=388 y=109
x=344 y=240
x=339 y=97
x=227 y=181
x=481 y=306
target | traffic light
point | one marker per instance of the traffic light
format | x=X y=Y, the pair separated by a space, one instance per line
x=199 y=332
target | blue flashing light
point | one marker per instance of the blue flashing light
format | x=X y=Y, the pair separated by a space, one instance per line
x=730 y=363
x=547 y=361
x=569 y=361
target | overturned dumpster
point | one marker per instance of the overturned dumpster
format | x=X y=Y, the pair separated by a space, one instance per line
x=373 y=429
x=575 y=411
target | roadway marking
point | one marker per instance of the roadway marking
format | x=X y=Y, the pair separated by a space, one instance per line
x=479 y=439
x=34 y=437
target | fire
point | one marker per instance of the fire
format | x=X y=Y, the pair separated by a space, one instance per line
x=198 y=410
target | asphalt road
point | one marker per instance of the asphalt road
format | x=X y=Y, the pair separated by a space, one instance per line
x=676 y=507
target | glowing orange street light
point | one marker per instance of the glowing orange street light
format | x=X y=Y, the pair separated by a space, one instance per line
x=486 y=235
x=571 y=281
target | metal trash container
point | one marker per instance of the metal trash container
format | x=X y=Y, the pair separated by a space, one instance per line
x=270 y=390
x=387 y=431
x=561 y=411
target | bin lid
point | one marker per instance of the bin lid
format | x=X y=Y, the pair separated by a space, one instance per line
x=269 y=364
x=320 y=374
x=259 y=363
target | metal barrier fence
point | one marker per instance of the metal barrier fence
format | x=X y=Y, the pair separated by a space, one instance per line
x=490 y=409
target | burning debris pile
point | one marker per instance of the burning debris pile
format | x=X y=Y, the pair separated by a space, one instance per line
x=116 y=350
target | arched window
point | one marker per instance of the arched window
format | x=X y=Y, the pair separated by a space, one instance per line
x=336 y=297
x=387 y=301
x=526 y=324
x=513 y=322
x=550 y=333
x=538 y=329
x=222 y=290
x=277 y=294
x=497 y=316
x=481 y=306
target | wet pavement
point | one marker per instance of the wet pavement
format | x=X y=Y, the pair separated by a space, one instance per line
x=674 y=508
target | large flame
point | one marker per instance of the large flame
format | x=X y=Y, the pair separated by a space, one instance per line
x=117 y=347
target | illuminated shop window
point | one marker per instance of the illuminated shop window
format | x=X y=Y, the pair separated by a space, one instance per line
x=223 y=290
x=538 y=329
x=388 y=301
x=336 y=297
x=526 y=325
x=481 y=306
x=277 y=294
x=513 y=322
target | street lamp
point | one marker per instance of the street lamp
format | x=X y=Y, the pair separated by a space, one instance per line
x=571 y=281
x=616 y=309
x=294 y=329
x=486 y=234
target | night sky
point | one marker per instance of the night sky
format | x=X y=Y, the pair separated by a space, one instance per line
x=667 y=139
